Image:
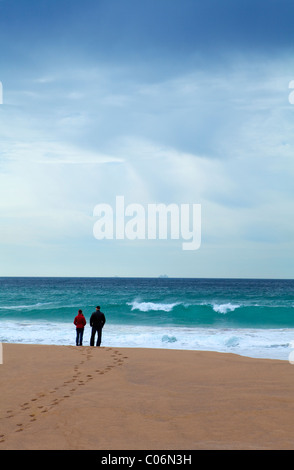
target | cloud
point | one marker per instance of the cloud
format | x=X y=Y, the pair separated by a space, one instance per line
x=212 y=130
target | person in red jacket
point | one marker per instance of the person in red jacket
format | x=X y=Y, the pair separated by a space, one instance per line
x=80 y=323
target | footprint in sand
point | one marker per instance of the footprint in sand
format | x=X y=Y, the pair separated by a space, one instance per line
x=24 y=406
x=77 y=374
x=55 y=402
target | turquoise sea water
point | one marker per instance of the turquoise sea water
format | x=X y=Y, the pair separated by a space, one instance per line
x=244 y=316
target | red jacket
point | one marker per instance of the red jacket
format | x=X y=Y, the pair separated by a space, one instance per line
x=80 y=320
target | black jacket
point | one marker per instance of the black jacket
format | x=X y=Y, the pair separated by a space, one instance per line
x=97 y=319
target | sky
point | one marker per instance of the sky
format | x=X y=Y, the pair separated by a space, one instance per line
x=158 y=101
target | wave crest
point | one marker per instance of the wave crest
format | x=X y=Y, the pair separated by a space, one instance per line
x=25 y=307
x=225 y=308
x=149 y=306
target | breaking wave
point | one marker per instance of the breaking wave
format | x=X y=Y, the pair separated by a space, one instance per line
x=152 y=306
x=225 y=308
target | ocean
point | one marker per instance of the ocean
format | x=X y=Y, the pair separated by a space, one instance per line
x=249 y=317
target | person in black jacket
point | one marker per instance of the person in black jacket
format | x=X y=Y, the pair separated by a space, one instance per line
x=97 y=322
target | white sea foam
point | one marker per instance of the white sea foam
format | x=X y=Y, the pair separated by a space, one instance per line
x=148 y=306
x=225 y=308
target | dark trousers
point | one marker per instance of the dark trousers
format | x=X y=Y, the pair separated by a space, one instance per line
x=98 y=330
x=79 y=338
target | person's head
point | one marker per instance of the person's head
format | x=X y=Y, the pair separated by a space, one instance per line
x=80 y=311
x=98 y=308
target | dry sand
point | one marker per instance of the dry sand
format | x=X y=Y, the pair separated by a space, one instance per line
x=75 y=398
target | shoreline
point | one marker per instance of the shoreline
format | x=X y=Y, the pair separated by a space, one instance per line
x=112 y=398
x=275 y=344
x=137 y=348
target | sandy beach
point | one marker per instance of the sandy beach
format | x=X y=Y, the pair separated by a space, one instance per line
x=83 y=398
